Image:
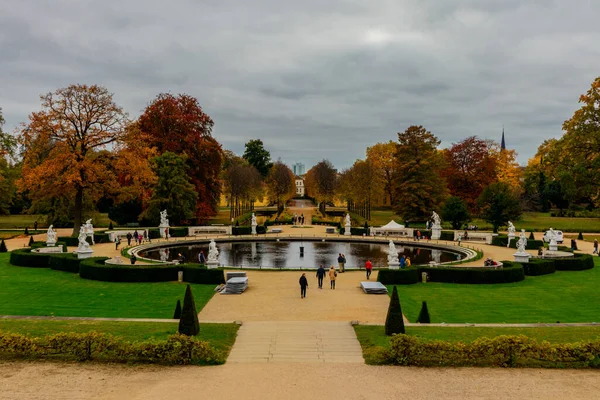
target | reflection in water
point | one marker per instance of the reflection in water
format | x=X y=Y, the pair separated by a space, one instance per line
x=285 y=254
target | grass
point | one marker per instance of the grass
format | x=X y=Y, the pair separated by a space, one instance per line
x=530 y=221
x=220 y=336
x=373 y=340
x=100 y=220
x=565 y=296
x=41 y=291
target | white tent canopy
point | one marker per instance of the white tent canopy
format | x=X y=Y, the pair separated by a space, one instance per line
x=392 y=226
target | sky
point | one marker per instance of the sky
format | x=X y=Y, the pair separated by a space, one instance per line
x=315 y=79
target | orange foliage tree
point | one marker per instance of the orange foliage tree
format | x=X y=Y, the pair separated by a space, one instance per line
x=178 y=124
x=66 y=146
x=381 y=156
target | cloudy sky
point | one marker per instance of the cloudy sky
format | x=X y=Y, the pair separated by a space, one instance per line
x=315 y=79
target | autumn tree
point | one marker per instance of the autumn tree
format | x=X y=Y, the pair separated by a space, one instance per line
x=418 y=185
x=382 y=158
x=62 y=145
x=281 y=185
x=173 y=190
x=259 y=157
x=179 y=125
x=358 y=185
x=499 y=204
x=470 y=167
x=320 y=182
x=244 y=185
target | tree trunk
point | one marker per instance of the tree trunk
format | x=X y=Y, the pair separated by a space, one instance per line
x=78 y=211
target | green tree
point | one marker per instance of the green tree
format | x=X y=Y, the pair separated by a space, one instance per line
x=258 y=156
x=177 y=313
x=499 y=204
x=173 y=191
x=456 y=211
x=419 y=187
x=394 y=321
x=424 y=314
x=188 y=323
x=556 y=195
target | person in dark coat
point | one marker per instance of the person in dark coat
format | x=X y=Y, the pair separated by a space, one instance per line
x=303 y=285
x=201 y=258
x=340 y=261
x=129 y=237
x=133 y=259
x=320 y=275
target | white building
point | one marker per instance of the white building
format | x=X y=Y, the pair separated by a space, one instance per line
x=299 y=187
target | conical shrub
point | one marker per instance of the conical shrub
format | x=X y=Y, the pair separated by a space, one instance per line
x=424 y=314
x=31 y=241
x=26 y=230
x=580 y=236
x=188 y=323
x=531 y=237
x=177 y=313
x=3 y=248
x=394 y=322
x=110 y=226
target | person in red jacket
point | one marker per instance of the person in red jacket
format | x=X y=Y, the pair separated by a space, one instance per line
x=369 y=268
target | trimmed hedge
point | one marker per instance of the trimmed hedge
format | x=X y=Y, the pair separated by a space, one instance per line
x=502 y=240
x=511 y=272
x=25 y=258
x=579 y=262
x=64 y=262
x=247 y=230
x=447 y=235
x=354 y=231
x=538 y=266
x=96 y=269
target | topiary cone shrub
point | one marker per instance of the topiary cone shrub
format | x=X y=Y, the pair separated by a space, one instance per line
x=177 y=313
x=424 y=314
x=580 y=236
x=31 y=241
x=188 y=323
x=3 y=248
x=26 y=231
x=394 y=322
x=531 y=237
x=110 y=226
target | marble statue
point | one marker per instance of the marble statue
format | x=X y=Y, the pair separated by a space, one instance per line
x=213 y=252
x=83 y=243
x=348 y=221
x=348 y=226
x=50 y=236
x=164 y=221
x=553 y=245
x=88 y=228
x=392 y=254
x=254 y=224
x=437 y=221
x=511 y=229
x=522 y=242
x=164 y=254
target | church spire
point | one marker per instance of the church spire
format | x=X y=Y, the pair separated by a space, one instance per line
x=503 y=143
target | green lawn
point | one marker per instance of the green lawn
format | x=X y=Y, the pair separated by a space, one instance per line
x=529 y=221
x=42 y=291
x=220 y=336
x=565 y=296
x=373 y=340
x=21 y=221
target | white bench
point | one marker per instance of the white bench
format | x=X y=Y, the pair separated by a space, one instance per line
x=475 y=236
x=276 y=230
x=212 y=229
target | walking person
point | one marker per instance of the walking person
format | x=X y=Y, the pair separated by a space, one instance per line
x=320 y=275
x=340 y=261
x=129 y=237
x=369 y=268
x=117 y=243
x=332 y=277
x=303 y=285
x=201 y=258
x=595 y=246
x=402 y=261
x=343 y=263
x=135 y=235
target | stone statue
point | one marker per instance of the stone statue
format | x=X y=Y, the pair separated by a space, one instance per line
x=552 y=246
x=51 y=236
x=163 y=218
x=213 y=252
x=83 y=243
x=254 y=219
x=511 y=229
x=348 y=222
x=89 y=230
x=437 y=221
x=522 y=242
x=392 y=254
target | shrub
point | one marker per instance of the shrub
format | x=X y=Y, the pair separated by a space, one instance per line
x=578 y=262
x=188 y=324
x=110 y=226
x=31 y=241
x=447 y=235
x=354 y=231
x=538 y=266
x=424 y=314
x=177 y=313
x=511 y=272
x=405 y=276
x=580 y=236
x=394 y=322
x=502 y=240
x=3 y=248
x=26 y=231
x=247 y=230
x=25 y=258
x=531 y=236
x=64 y=262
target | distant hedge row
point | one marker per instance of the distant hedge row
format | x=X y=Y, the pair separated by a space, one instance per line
x=96 y=269
x=502 y=240
x=511 y=272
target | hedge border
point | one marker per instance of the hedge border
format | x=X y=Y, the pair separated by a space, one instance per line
x=511 y=272
x=539 y=266
x=502 y=240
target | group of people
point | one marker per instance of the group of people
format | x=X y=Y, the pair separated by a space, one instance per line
x=298 y=219
x=137 y=237
x=331 y=274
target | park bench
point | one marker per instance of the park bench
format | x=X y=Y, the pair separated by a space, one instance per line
x=276 y=230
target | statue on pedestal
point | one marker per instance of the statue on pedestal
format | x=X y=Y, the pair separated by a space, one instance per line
x=511 y=229
x=164 y=222
x=88 y=228
x=213 y=252
x=83 y=243
x=392 y=254
x=254 y=224
x=50 y=236
x=522 y=242
x=437 y=221
x=348 y=221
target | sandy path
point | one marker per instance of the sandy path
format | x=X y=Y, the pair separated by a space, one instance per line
x=23 y=380
x=275 y=296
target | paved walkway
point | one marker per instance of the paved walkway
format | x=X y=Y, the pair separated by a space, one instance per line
x=296 y=342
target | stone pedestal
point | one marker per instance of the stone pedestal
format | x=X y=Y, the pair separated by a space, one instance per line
x=511 y=237
x=163 y=231
x=212 y=264
x=522 y=257
x=50 y=244
x=553 y=246
x=347 y=230
x=393 y=265
x=436 y=232
x=81 y=254
x=180 y=276
x=254 y=229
